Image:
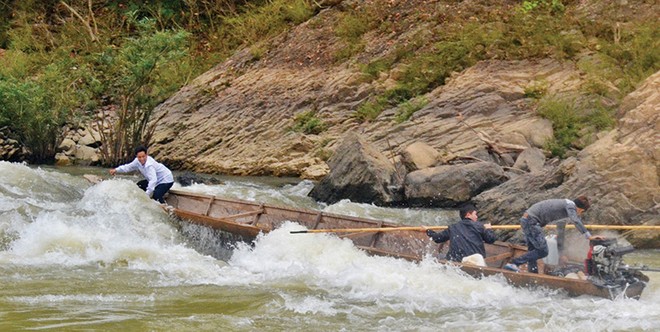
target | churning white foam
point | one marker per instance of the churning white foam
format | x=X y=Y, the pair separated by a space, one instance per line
x=110 y=223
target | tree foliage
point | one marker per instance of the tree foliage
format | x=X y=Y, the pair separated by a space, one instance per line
x=76 y=56
x=138 y=78
x=29 y=110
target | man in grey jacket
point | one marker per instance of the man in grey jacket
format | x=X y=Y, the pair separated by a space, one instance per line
x=159 y=178
x=539 y=215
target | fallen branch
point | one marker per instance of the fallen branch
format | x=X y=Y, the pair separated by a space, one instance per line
x=75 y=13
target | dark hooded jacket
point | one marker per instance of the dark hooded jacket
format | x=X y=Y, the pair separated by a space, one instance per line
x=467 y=238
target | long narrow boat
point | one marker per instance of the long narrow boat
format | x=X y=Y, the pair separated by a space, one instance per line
x=248 y=219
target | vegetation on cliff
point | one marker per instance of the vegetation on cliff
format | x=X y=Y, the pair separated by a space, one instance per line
x=63 y=60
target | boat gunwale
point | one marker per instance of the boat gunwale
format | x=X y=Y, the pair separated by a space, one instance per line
x=308 y=212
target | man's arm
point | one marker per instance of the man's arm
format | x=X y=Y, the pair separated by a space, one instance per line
x=488 y=235
x=126 y=168
x=438 y=237
x=575 y=219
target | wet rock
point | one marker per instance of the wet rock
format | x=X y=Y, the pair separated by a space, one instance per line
x=67 y=146
x=91 y=139
x=86 y=156
x=315 y=172
x=62 y=159
x=451 y=185
x=187 y=179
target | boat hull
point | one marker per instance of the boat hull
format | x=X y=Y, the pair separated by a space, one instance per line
x=248 y=219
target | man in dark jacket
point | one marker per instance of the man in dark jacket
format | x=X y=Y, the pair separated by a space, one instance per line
x=466 y=237
x=539 y=215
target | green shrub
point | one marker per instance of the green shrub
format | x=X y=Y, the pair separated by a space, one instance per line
x=636 y=55
x=536 y=90
x=555 y=6
x=323 y=154
x=352 y=26
x=370 y=110
x=374 y=68
x=461 y=47
x=565 y=123
x=259 y=22
x=599 y=118
x=408 y=108
x=349 y=50
x=29 y=110
x=399 y=95
x=16 y=64
x=572 y=121
x=139 y=76
x=308 y=123
x=350 y=29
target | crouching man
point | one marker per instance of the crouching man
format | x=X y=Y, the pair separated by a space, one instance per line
x=159 y=178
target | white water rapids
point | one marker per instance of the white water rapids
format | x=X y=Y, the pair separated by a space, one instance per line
x=76 y=256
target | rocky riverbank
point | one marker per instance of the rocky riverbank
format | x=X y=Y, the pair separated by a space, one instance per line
x=477 y=138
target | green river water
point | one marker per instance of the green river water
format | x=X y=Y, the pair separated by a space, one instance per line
x=81 y=257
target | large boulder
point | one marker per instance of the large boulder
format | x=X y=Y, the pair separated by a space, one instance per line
x=451 y=185
x=86 y=156
x=419 y=155
x=361 y=173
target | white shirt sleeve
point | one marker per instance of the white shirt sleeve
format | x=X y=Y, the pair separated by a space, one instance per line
x=130 y=167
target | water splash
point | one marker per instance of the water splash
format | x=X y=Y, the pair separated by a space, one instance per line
x=94 y=235
x=109 y=224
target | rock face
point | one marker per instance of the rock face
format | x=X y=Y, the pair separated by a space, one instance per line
x=620 y=173
x=237 y=118
x=80 y=146
x=360 y=173
x=530 y=160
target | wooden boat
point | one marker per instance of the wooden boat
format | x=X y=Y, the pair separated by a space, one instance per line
x=248 y=219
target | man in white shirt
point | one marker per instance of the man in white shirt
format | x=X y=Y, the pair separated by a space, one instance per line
x=159 y=178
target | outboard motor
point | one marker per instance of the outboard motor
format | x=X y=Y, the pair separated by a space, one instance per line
x=604 y=263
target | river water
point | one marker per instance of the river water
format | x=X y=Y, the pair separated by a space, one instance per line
x=81 y=257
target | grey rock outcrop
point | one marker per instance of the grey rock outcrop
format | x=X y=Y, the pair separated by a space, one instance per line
x=80 y=146
x=188 y=179
x=236 y=118
x=451 y=185
x=11 y=149
x=359 y=173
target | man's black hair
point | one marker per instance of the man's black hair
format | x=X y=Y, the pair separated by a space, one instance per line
x=582 y=202
x=465 y=209
x=140 y=148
